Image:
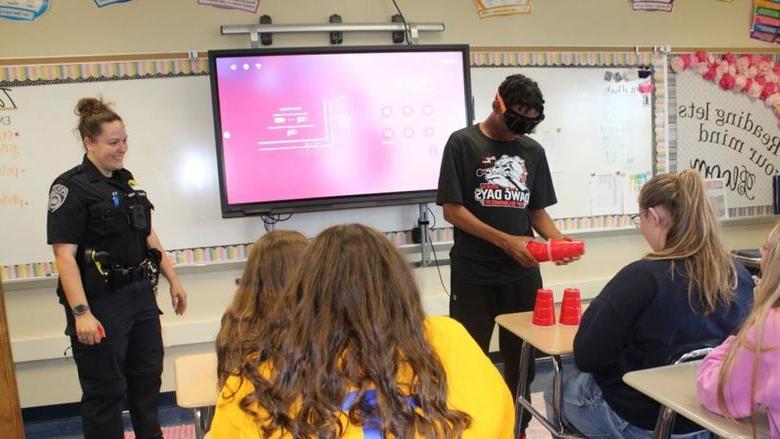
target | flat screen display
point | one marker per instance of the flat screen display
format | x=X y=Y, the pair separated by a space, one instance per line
x=327 y=128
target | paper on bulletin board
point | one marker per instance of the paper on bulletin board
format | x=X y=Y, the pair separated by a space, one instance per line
x=102 y=3
x=653 y=5
x=496 y=8
x=606 y=194
x=23 y=10
x=242 y=5
x=550 y=139
x=716 y=193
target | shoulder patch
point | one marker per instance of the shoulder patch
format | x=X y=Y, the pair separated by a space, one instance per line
x=57 y=197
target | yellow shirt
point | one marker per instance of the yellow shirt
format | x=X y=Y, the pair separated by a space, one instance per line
x=474 y=386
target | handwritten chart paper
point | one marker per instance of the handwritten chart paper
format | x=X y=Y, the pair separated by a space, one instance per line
x=496 y=8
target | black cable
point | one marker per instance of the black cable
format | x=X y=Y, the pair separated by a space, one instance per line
x=406 y=28
x=438 y=268
x=271 y=219
x=432 y=216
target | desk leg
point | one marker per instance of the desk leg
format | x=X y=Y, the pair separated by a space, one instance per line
x=665 y=423
x=196 y=414
x=556 y=393
x=522 y=384
x=203 y=416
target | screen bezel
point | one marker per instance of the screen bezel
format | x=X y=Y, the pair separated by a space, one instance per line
x=323 y=203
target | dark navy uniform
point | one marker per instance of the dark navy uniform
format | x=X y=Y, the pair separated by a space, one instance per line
x=110 y=221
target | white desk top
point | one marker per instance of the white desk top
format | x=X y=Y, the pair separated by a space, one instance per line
x=552 y=340
x=675 y=387
x=196 y=380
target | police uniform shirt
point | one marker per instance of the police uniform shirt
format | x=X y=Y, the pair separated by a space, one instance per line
x=94 y=211
x=498 y=182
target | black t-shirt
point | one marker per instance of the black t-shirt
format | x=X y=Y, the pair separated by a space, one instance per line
x=95 y=212
x=498 y=182
x=642 y=312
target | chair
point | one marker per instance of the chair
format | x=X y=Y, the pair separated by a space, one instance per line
x=197 y=388
x=680 y=354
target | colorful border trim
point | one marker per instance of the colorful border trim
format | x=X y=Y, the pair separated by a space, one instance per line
x=542 y=59
x=45 y=74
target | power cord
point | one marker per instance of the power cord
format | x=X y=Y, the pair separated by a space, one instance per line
x=433 y=250
x=403 y=20
x=272 y=219
x=438 y=267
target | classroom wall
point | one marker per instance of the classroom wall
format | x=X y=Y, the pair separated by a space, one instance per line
x=79 y=28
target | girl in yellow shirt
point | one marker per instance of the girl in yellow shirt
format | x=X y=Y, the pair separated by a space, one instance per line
x=347 y=352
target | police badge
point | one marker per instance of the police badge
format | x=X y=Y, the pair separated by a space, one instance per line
x=57 y=197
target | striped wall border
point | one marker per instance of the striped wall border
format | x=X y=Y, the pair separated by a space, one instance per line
x=43 y=74
x=559 y=59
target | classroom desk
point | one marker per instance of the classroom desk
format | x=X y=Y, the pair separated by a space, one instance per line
x=196 y=387
x=554 y=341
x=675 y=387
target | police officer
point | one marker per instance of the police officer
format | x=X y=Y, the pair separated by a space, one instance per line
x=108 y=257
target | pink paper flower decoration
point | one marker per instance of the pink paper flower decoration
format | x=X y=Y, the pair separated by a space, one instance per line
x=677 y=64
x=755 y=90
x=769 y=90
x=746 y=87
x=755 y=75
x=727 y=82
x=742 y=64
x=739 y=82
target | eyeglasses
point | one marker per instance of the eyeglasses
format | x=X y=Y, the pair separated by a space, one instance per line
x=636 y=219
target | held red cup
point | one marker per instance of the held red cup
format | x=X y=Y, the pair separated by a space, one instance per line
x=544 y=309
x=561 y=249
x=555 y=249
x=539 y=250
x=571 y=307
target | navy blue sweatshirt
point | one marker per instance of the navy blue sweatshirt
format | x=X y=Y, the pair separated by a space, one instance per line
x=644 y=310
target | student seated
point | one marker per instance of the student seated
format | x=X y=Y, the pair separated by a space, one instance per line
x=687 y=289
x=744 y=372
x=271 y=262
x=349 y=353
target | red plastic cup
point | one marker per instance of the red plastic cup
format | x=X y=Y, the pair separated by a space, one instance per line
x=571 y=307
x=539 y=250
x=561 y=249
x=555 y=249
x=544 y=308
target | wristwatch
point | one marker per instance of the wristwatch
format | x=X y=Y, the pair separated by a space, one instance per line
x=80 y=309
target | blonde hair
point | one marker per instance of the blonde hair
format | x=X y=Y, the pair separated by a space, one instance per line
x=693 y=238
x=271 y=263
x=766 y=296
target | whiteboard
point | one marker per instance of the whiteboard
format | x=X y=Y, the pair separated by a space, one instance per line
x=171 y=154
x=597 y=134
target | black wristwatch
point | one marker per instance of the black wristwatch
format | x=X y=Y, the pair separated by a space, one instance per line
x=80 y=309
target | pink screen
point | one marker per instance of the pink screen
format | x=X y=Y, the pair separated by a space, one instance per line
x=309 y=126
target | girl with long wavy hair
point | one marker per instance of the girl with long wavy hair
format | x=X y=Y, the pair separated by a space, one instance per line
x=349 y=353
x=686 y=290
x=271 y=262
x=744 y=372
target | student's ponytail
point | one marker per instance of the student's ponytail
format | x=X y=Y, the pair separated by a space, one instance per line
x=693 y=238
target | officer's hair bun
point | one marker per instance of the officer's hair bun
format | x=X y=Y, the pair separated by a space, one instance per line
x=91 y=106
x=93 y=113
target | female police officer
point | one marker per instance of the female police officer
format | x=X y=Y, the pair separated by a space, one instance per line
x=108 y=257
